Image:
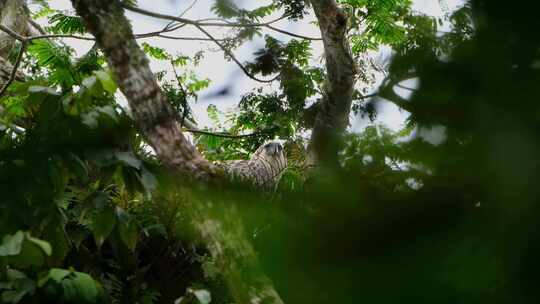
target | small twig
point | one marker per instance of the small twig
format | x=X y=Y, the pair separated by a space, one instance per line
x=49 y=36
x=12 y=33
x=197 y=131
x=221 y=134
x=227 y=23
x=137 y=36
x=291 y=34
x=186 y=38
x=37 y=26
x=228 y=52
x=181 y=14
x=405 y=88
x=186 y=109
x=223 y=23
x=369 y=96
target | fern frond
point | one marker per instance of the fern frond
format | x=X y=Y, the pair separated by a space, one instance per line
x=57 y=59
x=226 y=8
x=66 y=24
x=49 y=54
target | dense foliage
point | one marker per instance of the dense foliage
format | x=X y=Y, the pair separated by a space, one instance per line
x=89 y=215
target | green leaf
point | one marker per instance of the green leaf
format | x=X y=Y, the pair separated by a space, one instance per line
x=77 y=286
x=13 y=274
x=91 y=119
x=64 y=24
x=11 y=244
x=103 y=219
x=54 y=234
x=213 y=113
x=43 y=90
x=89 y=83
x=58 y=275
x=225 y=8
x=77 y=166
x=22 y=287
x=106 y=81
x=80 y=286
x=57 y=59
x=180 y=61
x=18 y=285
x=128 y=159
x=129 y=232
x=32 y=253
x=155 y=52
x=43 y=245
x=148 y=180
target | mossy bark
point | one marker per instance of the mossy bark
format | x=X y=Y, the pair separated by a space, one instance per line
x=334 y=109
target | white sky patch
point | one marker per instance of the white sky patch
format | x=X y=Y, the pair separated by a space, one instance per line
x=225 y=74
x=434 y=135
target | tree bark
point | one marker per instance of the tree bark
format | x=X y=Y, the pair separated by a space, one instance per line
x=14 y=15
x=333 y=113
x=222 y=233
x=151 y=111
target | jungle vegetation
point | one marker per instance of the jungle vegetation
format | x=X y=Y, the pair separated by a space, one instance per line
x=107 y=202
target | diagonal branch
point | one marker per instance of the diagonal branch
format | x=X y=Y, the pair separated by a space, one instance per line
x=189 y=7
x=151 y=111
x=156 y=119
x=13 y=74
x=230 y=54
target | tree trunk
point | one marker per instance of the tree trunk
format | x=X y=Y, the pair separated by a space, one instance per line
x=334 y=110
x=14 y=15
x=154 y=116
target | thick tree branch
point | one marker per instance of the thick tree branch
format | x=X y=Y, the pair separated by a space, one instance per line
x=333 y=114
x=151 y=110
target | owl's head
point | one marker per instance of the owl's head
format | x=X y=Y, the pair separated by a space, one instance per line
x=272 y=150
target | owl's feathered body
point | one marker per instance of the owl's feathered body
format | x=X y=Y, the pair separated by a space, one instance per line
x=263 y=170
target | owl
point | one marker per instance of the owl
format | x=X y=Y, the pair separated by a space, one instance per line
x=263 y=170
